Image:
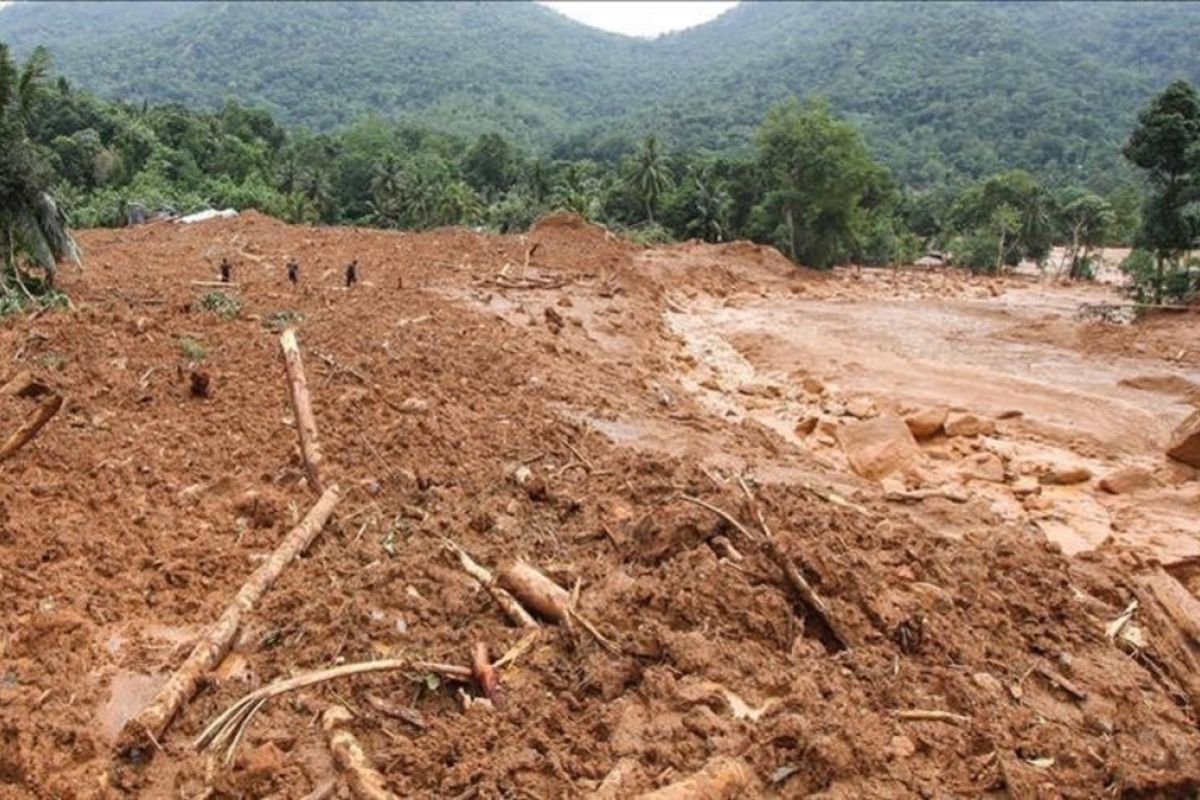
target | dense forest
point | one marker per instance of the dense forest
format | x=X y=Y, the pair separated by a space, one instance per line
x=811 y=177
x=943 y=92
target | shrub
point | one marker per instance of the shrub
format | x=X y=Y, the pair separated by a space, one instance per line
x=225 y=306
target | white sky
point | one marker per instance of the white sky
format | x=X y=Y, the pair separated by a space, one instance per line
x=640 y=18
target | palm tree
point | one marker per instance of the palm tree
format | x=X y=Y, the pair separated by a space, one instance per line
x=31 y=223
x=651 y=176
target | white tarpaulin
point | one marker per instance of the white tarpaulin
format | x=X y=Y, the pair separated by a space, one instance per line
x=205 y=216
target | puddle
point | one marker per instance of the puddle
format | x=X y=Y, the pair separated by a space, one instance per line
x=129 y=692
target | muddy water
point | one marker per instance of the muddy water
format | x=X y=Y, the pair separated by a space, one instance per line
x=129 y=693
x=941 y=353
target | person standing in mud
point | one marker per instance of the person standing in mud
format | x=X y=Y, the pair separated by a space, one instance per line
x=226 y=270
x=352 y=273
x=293 y=271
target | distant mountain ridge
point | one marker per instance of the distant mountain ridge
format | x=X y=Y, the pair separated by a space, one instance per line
x=941 y=90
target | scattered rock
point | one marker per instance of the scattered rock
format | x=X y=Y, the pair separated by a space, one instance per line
x=900 y=747
x=988 y=682
x=760 y=390
x=878 y=447
x=813 y=386
x=861 y=408
x=710 y=384
x=1026 y=485
x=984 y=467
x=806 y=426
x=414 y=405
x=926 y=424
x=1127 y=480
x=263 y=761
x=200 y=384
x=1185 y=441
x=960 y=423
x=1066 y=475
x=554 y=320
x=1012 y=413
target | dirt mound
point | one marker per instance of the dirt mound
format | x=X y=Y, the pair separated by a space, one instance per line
x=451 y=404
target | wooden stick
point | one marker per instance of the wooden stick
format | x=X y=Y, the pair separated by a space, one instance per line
x=365 y=781
x=722 y=778
x=224 y=731
x=485 y=674
x=515 y=611
x=917 y=715
x=30 y=427
x=152 y=721
x=306 y=423
x=215 y=284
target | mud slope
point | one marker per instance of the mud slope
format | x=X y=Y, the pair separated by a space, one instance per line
x=556 y=408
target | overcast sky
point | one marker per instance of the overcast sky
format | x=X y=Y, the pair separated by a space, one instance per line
x=640 y=18
x=635 y=17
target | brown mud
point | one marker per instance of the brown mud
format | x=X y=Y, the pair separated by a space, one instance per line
x=556 y=412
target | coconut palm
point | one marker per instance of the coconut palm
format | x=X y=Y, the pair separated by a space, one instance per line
x=651 y=177
x=31 y=222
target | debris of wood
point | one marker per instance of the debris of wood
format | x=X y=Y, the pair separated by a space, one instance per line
x=404 y=713
x=921 y=715
x=548 y=599
x=306 y=423
x=215 y=284
x=722 y=778
x=366 y=783
x=515 y=611
x=23 y=384
x=152 y=721
x=323 y=791
x=1180 y=605
x=536 y=591
x=767 y=543
x=485 y=673
x=725 y=548
x=1061 y=681
x=224 y=732
x=30 y=427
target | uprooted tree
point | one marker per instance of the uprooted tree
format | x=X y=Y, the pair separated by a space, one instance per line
x=33 y=227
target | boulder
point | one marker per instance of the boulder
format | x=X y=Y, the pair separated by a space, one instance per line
x=927 y=423
x=984 y=467
x=1127 y=480
x=1066 y=475
x=1185 y=441
x=959 y=423
x=878 y=447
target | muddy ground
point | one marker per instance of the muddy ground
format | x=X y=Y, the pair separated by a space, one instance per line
x=561 y=422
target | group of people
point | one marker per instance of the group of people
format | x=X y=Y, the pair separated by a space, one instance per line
x=293 y=271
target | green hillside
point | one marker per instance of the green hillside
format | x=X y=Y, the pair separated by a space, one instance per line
x=942 y=91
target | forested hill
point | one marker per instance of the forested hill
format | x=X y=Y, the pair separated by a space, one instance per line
x=941 y=90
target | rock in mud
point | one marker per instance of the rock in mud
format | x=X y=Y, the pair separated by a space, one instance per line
x=960 y=423
x=879 y=447
x=1185 y=441
x=1127 y=480
x=1066 y=475
x=806 y=426
x=861 y=408
x=984 y=467
x=927 y=423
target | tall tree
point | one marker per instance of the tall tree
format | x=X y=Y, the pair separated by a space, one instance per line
x=31 y=223
x=1166 y=144
x=822 y=183
x=651 y=177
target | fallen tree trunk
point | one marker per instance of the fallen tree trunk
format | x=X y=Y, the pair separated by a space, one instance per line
x=515 y=611
x=31 y=426
x=306 y=423
x=152 y=721
x=537 y=591
x=365 y=781
x=722 y=778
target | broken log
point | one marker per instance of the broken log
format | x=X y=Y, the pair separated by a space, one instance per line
x=30 y=427
x=306 y=423
x=23 y=384
x=515 y=611
x=485 y=674
x=1180 y=605
x=366 y=783
x=537 y=591
x=722 y=778
x=151 y=722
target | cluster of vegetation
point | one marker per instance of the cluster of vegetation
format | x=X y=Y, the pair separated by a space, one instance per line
x=811 y=185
